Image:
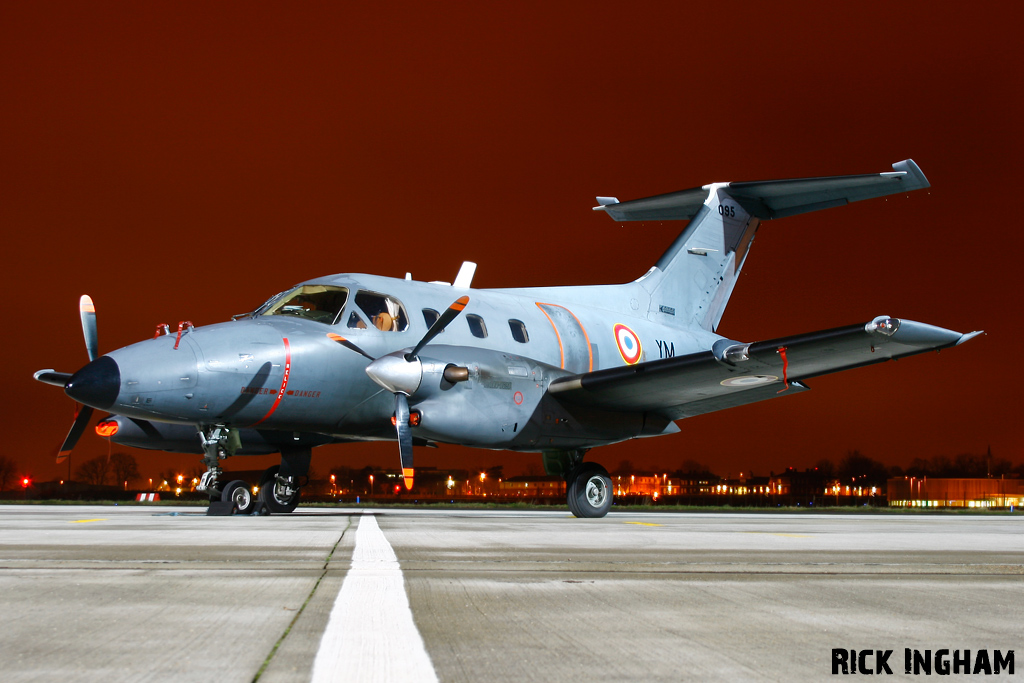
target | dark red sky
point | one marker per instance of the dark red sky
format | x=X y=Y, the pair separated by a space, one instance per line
x=185 y=161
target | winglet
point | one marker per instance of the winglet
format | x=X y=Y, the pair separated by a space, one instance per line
x=915 y=179
x=605 y=201
x=969 y=336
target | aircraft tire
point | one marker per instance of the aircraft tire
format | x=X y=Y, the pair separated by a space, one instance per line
x=270 y=497
x=239 y=494
x=589 y=491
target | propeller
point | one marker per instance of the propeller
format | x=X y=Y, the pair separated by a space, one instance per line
x=82 y=418
x=87 y=312
x=401 y=375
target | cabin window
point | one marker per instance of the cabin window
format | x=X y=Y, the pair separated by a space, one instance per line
x=477 y=326
x=430 y=316
x=386 y=313
x=321 y=303
x=518 y=331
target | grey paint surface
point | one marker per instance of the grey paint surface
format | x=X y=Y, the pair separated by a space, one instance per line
x=502 y=595
x=277 y=372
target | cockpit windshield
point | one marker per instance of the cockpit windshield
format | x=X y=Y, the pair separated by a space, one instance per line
x=321 y=303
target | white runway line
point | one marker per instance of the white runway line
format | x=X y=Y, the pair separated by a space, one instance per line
x=371 y=635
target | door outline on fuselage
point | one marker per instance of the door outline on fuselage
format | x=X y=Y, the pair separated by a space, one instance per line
x=573 y=356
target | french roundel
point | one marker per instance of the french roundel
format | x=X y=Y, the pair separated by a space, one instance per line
x=628 y=343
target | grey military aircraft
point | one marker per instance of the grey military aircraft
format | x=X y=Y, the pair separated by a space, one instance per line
x=552 y=370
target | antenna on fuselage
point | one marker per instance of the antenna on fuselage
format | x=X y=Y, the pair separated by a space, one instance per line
x=465 y=277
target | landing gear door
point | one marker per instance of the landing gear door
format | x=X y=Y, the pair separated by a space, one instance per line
x=573 y=342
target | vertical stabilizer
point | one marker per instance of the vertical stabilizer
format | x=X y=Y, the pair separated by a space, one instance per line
x=693 y=280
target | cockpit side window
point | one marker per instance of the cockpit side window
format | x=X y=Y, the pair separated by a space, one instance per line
x=385 y=312
x=322 y=303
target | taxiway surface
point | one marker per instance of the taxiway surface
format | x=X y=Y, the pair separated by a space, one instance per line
x=168 y=594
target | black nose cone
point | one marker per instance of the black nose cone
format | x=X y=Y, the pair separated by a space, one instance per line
x=97 y=384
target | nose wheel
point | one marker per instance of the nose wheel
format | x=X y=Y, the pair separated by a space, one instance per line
x=239 y=495
x=278 y=493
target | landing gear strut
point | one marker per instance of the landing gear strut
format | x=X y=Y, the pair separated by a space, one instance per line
x=219 y=442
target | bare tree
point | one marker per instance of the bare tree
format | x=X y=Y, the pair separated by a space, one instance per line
x=94 y=471
x=124 y=467
x=7 y=471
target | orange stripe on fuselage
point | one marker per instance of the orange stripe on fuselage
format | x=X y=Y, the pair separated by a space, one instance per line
x=561 y=351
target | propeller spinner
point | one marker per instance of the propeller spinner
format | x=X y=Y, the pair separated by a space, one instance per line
x=401 y=373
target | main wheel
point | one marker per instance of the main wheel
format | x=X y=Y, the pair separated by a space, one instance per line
x=275 y=495
x=589 y=491
x=237 y=493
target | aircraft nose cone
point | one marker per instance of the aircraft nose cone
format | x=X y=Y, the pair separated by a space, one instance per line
x=97 y=384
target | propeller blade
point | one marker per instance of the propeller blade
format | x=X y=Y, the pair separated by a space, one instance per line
x=81 y=422
x=51 y=376
x=438 y=327
x=404 y=438
x=87 y=311
x=348 y=345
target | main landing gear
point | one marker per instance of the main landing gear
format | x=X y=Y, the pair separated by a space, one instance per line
x=588 y=486
x=589 y=490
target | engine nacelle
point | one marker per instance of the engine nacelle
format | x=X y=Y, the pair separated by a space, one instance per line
x=476 y=396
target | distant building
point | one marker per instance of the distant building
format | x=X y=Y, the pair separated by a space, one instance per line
x=963 y=493
x=532 y=487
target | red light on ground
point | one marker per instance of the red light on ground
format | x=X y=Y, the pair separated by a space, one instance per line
x=25 y=482
x=107 y=429
x=397 y=489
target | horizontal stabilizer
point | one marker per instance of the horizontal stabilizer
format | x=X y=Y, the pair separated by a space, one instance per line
x=733 y=373
x=768 y=199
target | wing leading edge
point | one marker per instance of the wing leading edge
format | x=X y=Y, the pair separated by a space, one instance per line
x=733 y=373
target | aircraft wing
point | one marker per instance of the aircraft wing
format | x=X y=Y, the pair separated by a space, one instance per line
x=733 y=373
x=768 y=199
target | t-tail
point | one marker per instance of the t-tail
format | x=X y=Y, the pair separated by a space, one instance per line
x=692 y=282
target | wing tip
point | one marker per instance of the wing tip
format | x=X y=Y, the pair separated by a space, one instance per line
x=969 y=336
